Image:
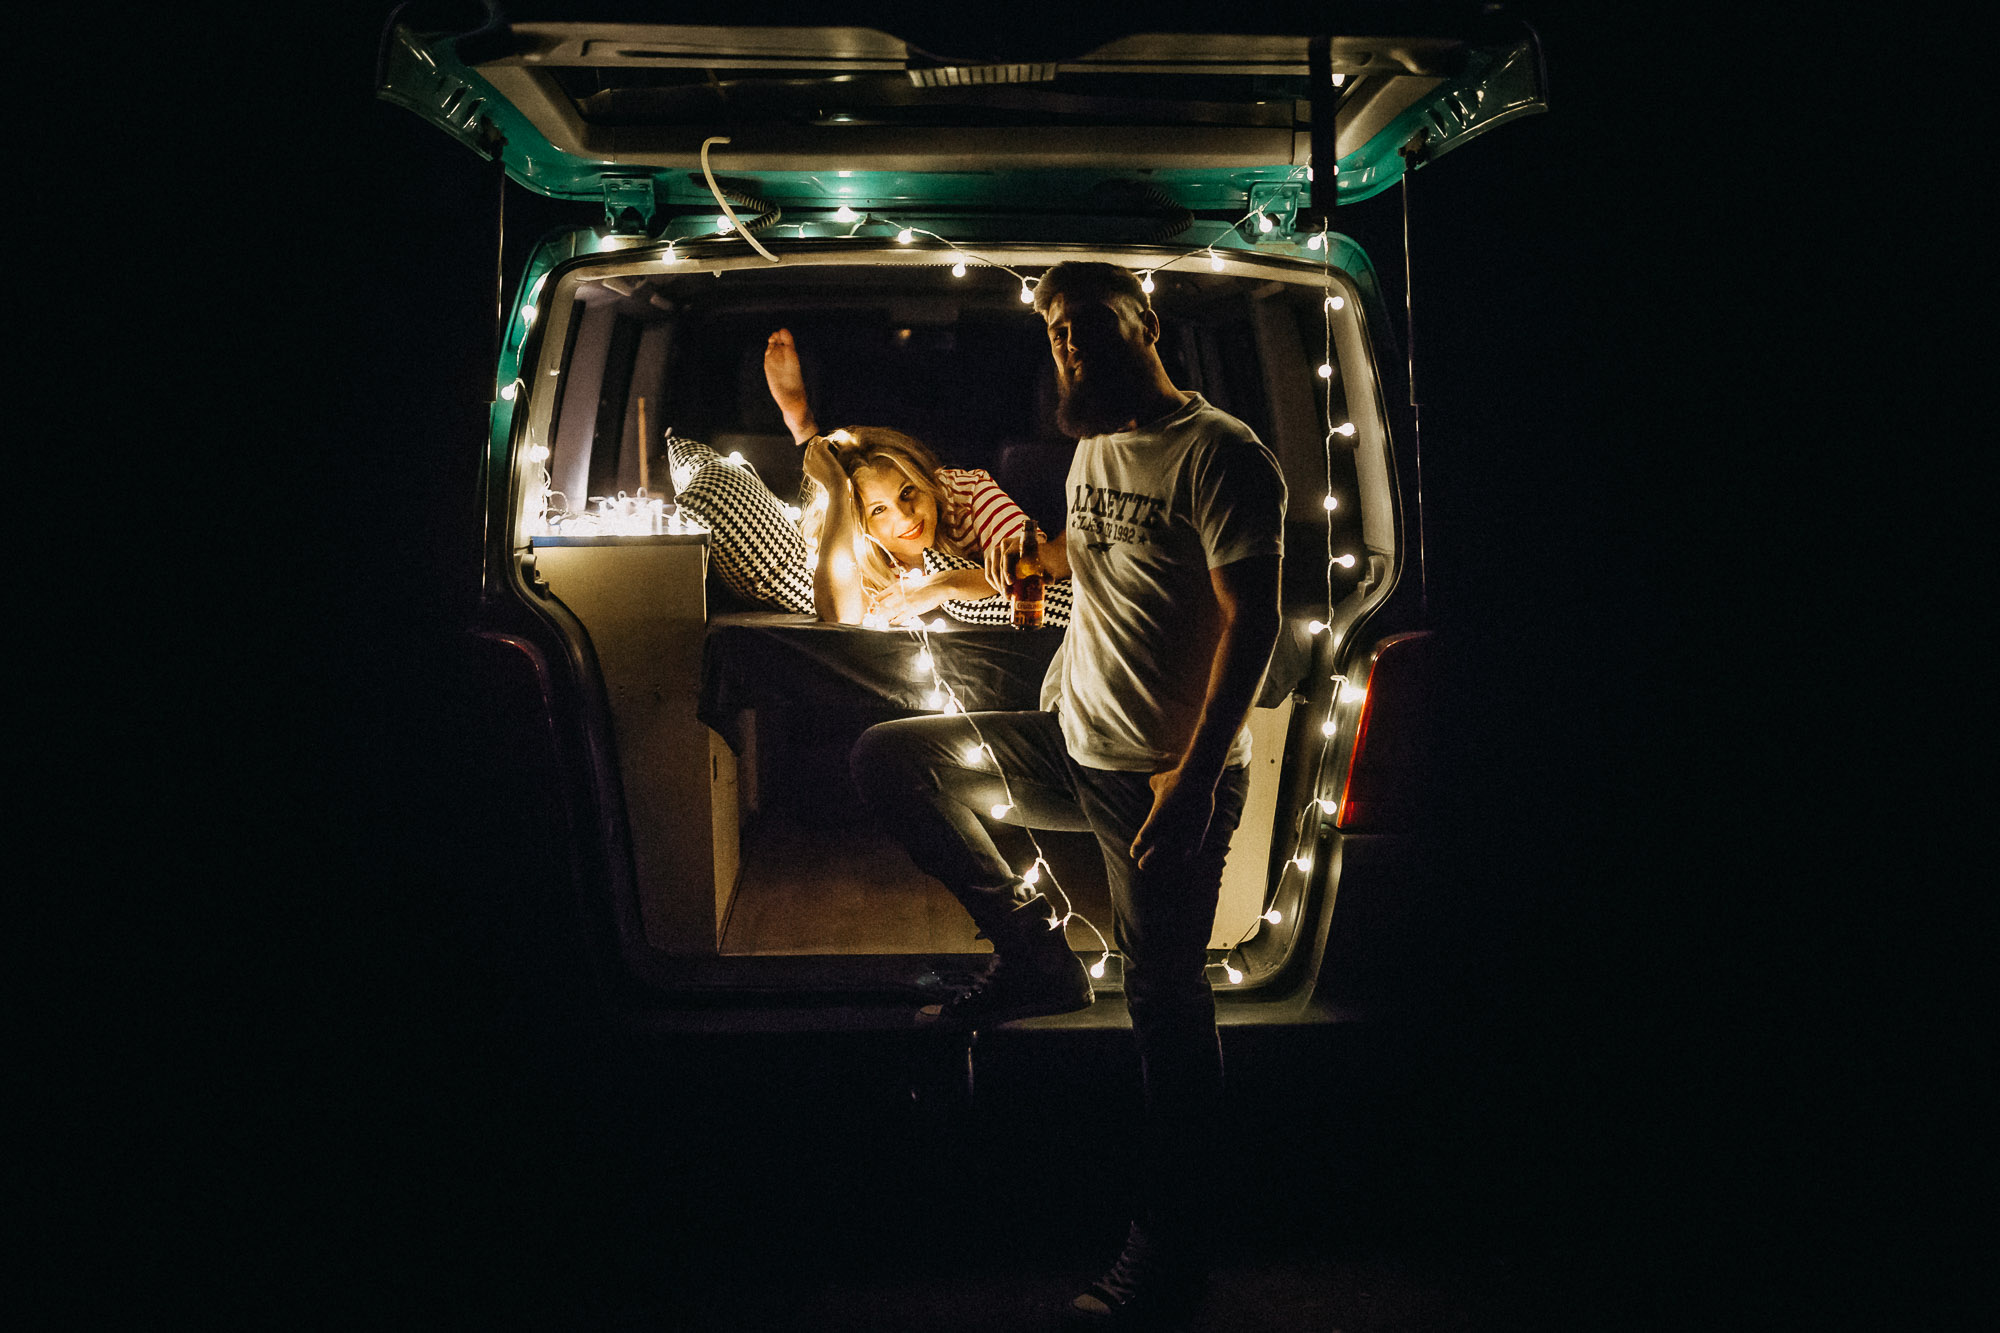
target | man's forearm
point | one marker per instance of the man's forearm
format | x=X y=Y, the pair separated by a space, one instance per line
x=1250 y=622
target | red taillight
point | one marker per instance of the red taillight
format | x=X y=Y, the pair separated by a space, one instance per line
x=1393 y=750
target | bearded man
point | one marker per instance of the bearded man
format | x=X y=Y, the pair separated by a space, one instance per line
x=1173 y=537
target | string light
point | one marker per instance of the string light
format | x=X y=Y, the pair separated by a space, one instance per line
x=1231 y=971
x=1214 y=260
x=1313 y=242
x=1033 y=874
x=1330 y=501
x=1274 y=916
x=1336 y=303
x=1146 y=283
x=1326 y=370
x=958 y=266
x=528 y=314
x=538 y=453
x=1027 y=295
x=1328 y=727
x=1097 y=968
x=1345 y=428
x=1303 y=861
x=1315 y=626
x=905 y=236
x=976 y=754
x=1344 y=561
x=844 y=214
x=1000 y=810
x=1264 y=222
x=1327 y=805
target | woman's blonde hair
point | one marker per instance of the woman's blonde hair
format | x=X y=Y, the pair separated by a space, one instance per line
x=879 y=446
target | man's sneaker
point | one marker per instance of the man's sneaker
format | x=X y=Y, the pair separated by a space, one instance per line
x=1148 y=1288
x=1008 y=990
x=1033 y=972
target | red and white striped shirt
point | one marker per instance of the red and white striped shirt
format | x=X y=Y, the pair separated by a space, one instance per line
x=979 y=509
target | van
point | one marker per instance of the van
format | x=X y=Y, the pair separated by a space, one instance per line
x=679 y=736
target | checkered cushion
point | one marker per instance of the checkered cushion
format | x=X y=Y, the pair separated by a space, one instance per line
x=995 y=610
x=757 y=552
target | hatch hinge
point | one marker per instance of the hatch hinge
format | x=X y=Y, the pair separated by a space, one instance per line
x=1278 y=201
x=629 y=203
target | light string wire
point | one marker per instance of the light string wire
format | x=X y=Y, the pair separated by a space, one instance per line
x=947 y=700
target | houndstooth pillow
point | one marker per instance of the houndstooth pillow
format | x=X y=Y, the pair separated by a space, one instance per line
x=996 y=610
x=757 y=552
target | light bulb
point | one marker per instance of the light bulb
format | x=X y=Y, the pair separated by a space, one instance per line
x=976 y=754
x=1327 y=728
x=938 y=624
x=1303 y=861
x=1264 y=222
x=1032 y=875
x=508 y=393
x=1327 y=807
x=793 y=512
x=1027 y=297
x=905 y=236
x=537 y=452
x=1335 y=302
x=958 y=269
x=923 y=660
x=736 y=457
x=844 y=214
x=1097 y=968
x=1274 y=916
x=935 y=699
x=849 y=173
x=527 y=314
x=839 y=437
x=950 y=707
x=1146 y=284
x=1215 y=261
x=1055 y=922
x=1344 y=561
x=1000 y=810
x=1235 y=976
x=1312 y=242
x=1315 y=626
x=1329 y=501
x=1345 y=428
x=725 y=225
x=1326 y=370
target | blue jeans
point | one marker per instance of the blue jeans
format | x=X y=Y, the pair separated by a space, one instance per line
x=916 y=776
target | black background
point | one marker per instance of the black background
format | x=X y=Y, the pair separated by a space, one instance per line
x=1683 y=872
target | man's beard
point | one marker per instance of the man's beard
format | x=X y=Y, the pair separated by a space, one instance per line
x=1103 y=403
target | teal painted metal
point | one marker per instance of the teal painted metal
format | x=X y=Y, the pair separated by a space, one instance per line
x=424 y=74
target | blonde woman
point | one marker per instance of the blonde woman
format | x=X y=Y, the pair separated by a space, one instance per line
x=897 y=534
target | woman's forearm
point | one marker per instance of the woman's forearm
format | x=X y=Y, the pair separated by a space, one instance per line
x=837 y=593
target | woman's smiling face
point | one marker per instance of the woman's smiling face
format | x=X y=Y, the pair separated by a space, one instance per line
x=896 y=512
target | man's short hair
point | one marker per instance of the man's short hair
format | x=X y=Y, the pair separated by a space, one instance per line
x=1088 y=280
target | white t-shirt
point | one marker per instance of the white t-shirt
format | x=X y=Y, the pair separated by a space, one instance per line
x=1150 y=512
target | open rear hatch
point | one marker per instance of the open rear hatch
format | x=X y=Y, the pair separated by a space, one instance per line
x=824 y=117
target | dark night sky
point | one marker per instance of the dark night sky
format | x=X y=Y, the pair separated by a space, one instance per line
x=1660 y=781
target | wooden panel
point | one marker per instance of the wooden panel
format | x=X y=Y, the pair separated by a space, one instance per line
x=644 y=606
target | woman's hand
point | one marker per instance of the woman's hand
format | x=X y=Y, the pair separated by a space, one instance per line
x=823 y=464
x=786 y=379
x=912 y=595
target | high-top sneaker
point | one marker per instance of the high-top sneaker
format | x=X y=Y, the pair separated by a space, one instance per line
x=1152 y=1286
x=1032 y=972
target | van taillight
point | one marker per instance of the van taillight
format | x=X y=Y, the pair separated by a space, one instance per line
x=1392 y=768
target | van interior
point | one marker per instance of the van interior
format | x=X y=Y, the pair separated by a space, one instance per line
x=752 y=843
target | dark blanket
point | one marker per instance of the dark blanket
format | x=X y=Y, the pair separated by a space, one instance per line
x=772 y=659
x=768 y=659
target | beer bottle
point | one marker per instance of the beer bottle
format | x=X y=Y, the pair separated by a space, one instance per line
x=1024 y=590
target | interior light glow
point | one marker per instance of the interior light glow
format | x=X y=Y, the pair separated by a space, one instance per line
x=849 y=173
x=1330 y=501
